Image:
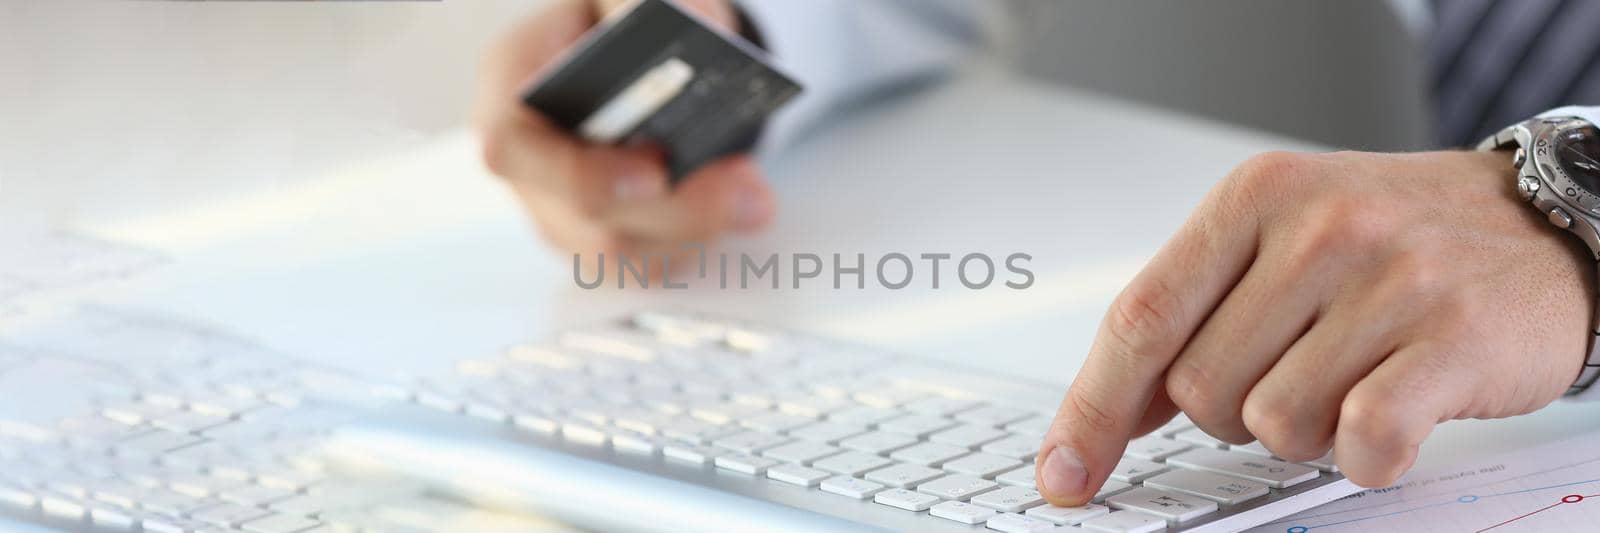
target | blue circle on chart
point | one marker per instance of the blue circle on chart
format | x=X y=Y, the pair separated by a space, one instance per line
x=1467 y=499
x=1298 y=529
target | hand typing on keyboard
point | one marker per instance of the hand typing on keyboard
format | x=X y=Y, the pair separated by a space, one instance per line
x=1344 y=302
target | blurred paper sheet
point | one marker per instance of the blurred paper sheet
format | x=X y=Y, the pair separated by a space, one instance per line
x=1551 y=487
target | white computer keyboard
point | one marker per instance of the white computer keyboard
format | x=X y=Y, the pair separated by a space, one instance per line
x=114 y=421
x=874 y=438
x=41 y=269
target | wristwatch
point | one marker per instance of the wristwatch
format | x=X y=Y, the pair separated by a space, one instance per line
x=1557 y=159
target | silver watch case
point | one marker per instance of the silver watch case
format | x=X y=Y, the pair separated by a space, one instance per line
x=1541 y=180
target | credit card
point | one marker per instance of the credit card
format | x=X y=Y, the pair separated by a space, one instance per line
x=655 y=74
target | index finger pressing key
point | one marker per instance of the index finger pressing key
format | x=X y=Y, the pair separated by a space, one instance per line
x=1141 y=334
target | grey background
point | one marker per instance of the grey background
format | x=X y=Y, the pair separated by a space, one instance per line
x=1346 y=73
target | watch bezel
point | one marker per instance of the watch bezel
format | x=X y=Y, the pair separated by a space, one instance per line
x=1541 y=153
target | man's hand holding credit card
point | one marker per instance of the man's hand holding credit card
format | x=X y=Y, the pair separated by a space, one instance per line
x=624 y=126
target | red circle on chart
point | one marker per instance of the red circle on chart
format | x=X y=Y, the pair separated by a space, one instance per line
x=1572 y=498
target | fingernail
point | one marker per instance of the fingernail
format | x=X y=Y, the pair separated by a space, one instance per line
x=751 y=208
x=636 y=187
x=1063 y=472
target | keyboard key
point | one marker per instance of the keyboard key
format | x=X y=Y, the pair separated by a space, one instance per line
x=1111 y=487
x=256 y=495
x=725 y=412
x=696 y=432
x=664 y=402
x=992 y=416
x=280 y=523
x=877 y=442
x=1174 y=507
x=1226 y=490
x=17 y=498
x=95 y=432
x=112 y=518
x=289 y=478
x=776 y=422
x=851 y=463
x=123 y=494
x=826 y=432
x=63 y=507
x=71 y=484
x=1015 y=523
x=227 y=514
x=1253 y=448
x=169 y=524
x=542 y=423
x=845 y=387
x=941 y=406
x=863 y=415
x=957 y=487
x=962 y=512
x=917 y=425
x=889 y=397
x=982 y=465
x=1016 y=447
x=637 y=443
x=646 y=422
x=968 y=436
x=134 y=414
x=1126 y=522
x=202 y=456
x=813 y=406
x=303 y=505
x=170 y=503
x=690 y=453
x=1157 y=449
x=749 y=442
x=584 y=432
x=801 y=452
x=859 y=489
x=1131 y=470
x=492 y=413
x=746 y=464
x=797 y=475
x=1010 y=499
x=1067 y=516
x=1272 y=472
x=1201 y=439
x=1172 y=428
x=903 y=476
x=154 y=444
x=200 y=486
x=1032 y=427
x=224 y=405
x=928 y=453
x=1019 y=477
x=188 y=421
x=905 y=499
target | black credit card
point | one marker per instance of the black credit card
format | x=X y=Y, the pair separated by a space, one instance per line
x=653 y=73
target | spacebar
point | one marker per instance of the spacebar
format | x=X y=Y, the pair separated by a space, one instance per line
x=480 y=462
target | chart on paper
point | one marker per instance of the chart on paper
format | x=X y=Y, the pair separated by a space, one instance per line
x=1552 y=487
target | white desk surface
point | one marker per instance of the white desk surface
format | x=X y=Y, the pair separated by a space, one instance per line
x=418 y=259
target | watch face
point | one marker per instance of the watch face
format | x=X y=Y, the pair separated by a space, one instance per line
x=1577 y=150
